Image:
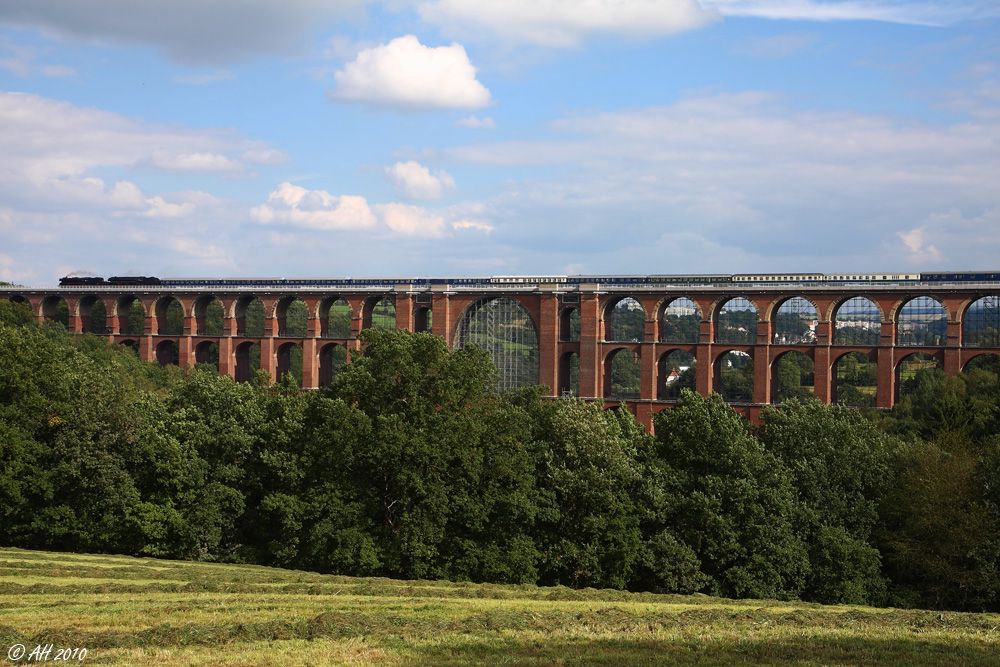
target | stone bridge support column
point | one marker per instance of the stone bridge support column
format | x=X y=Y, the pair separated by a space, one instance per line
x=591 y=370
x=548 y=342
x=761 y=355
x=310 y=364
x=404 y=311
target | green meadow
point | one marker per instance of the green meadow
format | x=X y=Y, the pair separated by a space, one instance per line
x=142 y=611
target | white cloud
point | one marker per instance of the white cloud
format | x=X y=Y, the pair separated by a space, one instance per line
x=927 y=12
x=265 y=156
x=476 y=123
x=195 y=161
x=406 y=74
x=203 y=79
x=415 y=181
x=411 y=220
x=20 y=61
x=473 y=224
x=313 y=209
x=190 y=32
x=562 y=23
x=914 y=242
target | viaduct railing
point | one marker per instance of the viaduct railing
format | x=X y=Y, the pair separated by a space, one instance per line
x=552 y=310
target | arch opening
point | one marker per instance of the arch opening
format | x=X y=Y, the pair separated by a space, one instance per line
x=290 y=362
x=734 y=376
x=167 y=353
x=625 y=321
x=93 y=315
x=569 y=374
x=792 y=376
x=250 y=317
x=247 y=361
x=505 y=330
x=622 y=374
x=737 y=321
x=681 y=321
x=988 y=361
x=331 y=361
x=855 y=380
x=206 y=355
x=423 y=319
x=910 y=370
x=56 y=309
x=922 y=322
x=335 y=318
x=169 y=317
x=209 y=316
x=981 y=324
x=857 y=321
x=675 y=371
x=795 y=322
x=131 y=316
x=380 y=313
x=569 y=325
x=17 y=298
x=292 y=315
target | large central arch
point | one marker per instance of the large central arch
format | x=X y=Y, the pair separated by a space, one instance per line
x=504 y=328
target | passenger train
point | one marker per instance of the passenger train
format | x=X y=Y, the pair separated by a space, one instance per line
x=527 y=281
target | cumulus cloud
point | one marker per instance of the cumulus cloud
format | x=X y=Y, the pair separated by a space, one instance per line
x=203 y=161
x=411 y=220
x=927 y=12
x=415 y=181
x=313 y=209
x=190 y=32
x=476 y=123
x=406 y=74
x=562 y=23
x=914 y=242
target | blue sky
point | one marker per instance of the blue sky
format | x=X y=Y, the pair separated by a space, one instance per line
x=452 y=137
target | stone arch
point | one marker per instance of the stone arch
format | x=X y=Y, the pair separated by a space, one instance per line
x=379 y=312
x=247 y=357
x=734 y=376
x=292 y=316
x=93 y=312
x=854 y=380
x=56 y=309
x=569 y=324
x=624 y=320
x=681 y=321
x=506 y=330
x=792 y=376
x=981 y=323
x=131 y=313
x=623 y=373
x=209 y=316
x=290 y=361
x=736 y=321
x=169 y=315
x=132 y=344
x=569 y=374
x=857 y=320
x=335 y=317
x=921 y=321
x=332 y=358
x=794 y=322
x=167 y=353
x=17 y=298
x=675 y=370
x=250 y=316
x=910 y=368
x=207 y=353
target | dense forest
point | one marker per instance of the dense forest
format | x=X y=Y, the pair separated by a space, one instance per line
x=410 y=466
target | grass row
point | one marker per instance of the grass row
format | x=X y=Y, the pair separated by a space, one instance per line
x=142 y=611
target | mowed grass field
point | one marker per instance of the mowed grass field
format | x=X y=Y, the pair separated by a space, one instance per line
x=141 y=611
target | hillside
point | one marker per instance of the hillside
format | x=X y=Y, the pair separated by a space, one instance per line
x=144 y=611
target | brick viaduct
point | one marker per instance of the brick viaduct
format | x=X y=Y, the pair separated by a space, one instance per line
x=549 y=306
